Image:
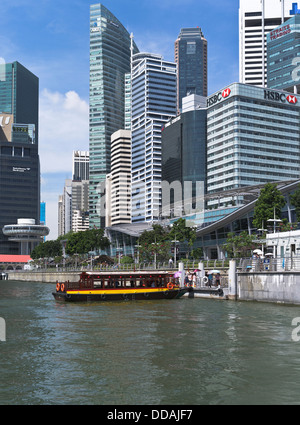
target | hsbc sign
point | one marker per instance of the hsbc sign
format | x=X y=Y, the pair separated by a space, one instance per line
x=218 y=97
x=280 y=97
x=291 y=99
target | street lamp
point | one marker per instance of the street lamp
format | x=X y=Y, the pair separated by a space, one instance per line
x=138 y=252
x=154 y=243
x=262 y=230
x=118 y=250
x=274 y=220
x=175 y=252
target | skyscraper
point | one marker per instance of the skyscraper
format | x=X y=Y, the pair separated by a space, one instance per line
x=153 y=104
x=284 y=56
x=118 y=191
x=184 y=159
x=110 y=59
x=191 y=60
x=256 y=19
x=81 y=162
x=252 y=138
x=19 y=158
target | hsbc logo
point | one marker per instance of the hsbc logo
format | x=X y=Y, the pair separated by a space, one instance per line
x=280 y=97
x=226 y=93
x=292 y=99
x=218 y=97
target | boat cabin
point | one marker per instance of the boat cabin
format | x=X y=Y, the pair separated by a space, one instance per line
x=117 y=280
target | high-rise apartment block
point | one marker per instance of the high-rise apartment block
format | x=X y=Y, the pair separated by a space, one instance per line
x=118 y=187
x=73 y=205
x=153 y=104
x=256 y=19
x=191 y=60
x=111 y=48
x=81 y=165
x=65 y=209
x=19 y=157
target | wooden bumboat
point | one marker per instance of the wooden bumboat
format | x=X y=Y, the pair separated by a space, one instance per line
x=119 y=286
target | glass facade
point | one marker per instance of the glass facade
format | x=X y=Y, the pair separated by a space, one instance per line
x=191 y=60
x=283 y=49
x=19 y=94
x=252 y=137
x=184 y=150
x=256 y=19
x=19 y=186
x=128 y=101
x=19 y=158
x=153 y=103
x=110 y=56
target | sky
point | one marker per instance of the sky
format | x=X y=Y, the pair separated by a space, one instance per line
x=51 y=39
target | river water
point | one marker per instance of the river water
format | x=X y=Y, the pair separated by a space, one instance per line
x=170 y=352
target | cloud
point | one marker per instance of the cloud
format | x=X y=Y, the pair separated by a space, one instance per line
x=64 y=127
x=152 y=43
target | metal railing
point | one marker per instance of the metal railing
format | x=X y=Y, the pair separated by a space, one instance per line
x=279 y=264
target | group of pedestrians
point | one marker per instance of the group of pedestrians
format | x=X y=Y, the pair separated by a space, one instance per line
x=210 y=279
x=213 y=279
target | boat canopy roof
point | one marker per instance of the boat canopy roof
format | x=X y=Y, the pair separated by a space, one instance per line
x=128 y=273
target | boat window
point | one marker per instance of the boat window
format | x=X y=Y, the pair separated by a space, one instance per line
x=98 y=283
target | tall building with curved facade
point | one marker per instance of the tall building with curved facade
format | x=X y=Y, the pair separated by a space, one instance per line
x=111 y=47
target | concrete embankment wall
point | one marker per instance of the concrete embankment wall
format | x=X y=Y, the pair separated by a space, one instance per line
x=44 y=277
x=279 y=287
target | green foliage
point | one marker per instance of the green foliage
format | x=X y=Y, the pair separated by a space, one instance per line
x=127 y=260
x=295 y=201
x=154 y=243
x=197 y=253
x=183 y=233
x=77 y=243
x=239 y=246
x=47 y=249
x=270 y=198
x=83 y=242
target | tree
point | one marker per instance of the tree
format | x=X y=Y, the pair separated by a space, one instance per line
x=270 y=198
x=239 y=246
x=83 y=242
x=295 y=201
x=49 y=249
x=154 y=244
x=127 y=260
x=197 y=253
x=183 y=233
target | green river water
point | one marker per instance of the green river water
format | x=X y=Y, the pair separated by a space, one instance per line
x=154 y=353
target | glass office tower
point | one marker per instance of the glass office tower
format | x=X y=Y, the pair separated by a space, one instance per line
x=110 y=58
x=256 y=19
x=191 y=60
x=153 y=104
x=283 y=53
x=19 y=158
x=252 y=137
x=19 y=94
x=184 y=149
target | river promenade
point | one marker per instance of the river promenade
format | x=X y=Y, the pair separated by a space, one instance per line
x=247 y=280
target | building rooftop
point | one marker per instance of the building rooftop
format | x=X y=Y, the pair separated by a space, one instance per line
x=14 y=258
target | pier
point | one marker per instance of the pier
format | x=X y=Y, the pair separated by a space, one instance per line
x=275 y=281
